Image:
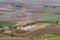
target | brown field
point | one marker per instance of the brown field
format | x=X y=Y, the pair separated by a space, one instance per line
x=8 y=11
x=47 y=30
x=14 y=38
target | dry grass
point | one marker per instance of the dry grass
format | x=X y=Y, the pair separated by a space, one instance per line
x=13 y=38
x=40 y=26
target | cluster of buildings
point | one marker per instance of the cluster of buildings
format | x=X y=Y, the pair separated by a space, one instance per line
x=27 y=27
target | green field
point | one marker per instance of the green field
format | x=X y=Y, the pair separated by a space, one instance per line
x=7 y=23
x=48 y=17
x=50 y=37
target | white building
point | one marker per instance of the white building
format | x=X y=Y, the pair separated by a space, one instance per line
x=7 y=31
x=26 y=28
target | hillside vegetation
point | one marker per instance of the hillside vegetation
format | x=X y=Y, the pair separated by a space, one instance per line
x=49 y=17
x=7 y=23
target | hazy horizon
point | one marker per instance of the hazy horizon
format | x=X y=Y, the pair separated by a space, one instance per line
x=33 y=1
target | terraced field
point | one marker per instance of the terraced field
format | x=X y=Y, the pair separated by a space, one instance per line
x=48 y=17
x=48 y=37
x=7 y=23
x=51 y=37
